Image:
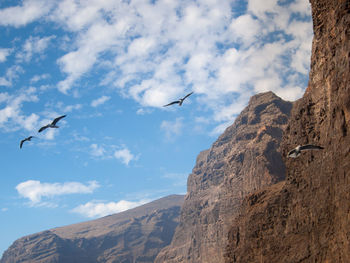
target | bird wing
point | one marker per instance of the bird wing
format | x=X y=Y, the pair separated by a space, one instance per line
x=291 y=152
x=43 y=128
x=21 y=144
x=189 y=94
x=171 y=103
x=57 y=119
x=311 y=147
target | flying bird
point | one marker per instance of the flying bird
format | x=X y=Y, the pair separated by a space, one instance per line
x=52 y=124
x=297 y=150
x=180 y=101
x=26 y=139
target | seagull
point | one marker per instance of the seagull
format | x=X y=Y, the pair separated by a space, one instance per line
x=26 y=139
x=52 y=124
x=297 y=150
x=180 y=101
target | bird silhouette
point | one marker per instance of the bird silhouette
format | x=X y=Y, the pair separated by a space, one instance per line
x=26 y=139
x=297 y=150
x=180 y=101
x=52 y=124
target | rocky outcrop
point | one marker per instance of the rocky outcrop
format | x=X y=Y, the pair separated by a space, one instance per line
x=136 y=235
x=245 y=158
x=307 y=217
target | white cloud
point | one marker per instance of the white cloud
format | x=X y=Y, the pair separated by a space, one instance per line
x=154 y=51
x=37 y=78
x=4 y=82
x=100 y=209
x=100 y=101
x=4 y=52
x=11 y=74
x=33 y=46
x=11 y=115
x=246 y=28
x=172 y=128
x=97 y=151
x=29 y=11
x=35 y=191
x=70 y=108
x=124 y=155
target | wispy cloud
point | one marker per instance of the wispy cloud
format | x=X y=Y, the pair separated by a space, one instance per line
x=21 y=15
x=33 y=46
x=158 y=50
x=172 y=128
x=178 y=179
x=11 y=74
x=37 y=78
x=35 y=191
x=124 y=155
x=98 y=209
x=184 y=43
x=4 y=52
x=100 y=101
x=11 y=115
x=97 y=150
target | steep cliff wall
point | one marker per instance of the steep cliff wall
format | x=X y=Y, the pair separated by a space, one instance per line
x=245 y=158
x=136 y=235
x=307 y=217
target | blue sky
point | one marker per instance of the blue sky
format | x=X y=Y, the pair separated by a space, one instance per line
x=110 y=65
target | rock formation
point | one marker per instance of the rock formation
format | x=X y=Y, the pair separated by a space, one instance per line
x=307 y=217
x=136 y=235
x=245 y=158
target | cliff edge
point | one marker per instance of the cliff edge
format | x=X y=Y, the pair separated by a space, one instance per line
x=245 y=158
x=307 y=217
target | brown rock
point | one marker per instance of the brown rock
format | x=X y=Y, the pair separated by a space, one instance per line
x=307 y=218
x=136 y=235
x=243 y=159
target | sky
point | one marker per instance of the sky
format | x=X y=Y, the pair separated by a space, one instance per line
x=110 y=66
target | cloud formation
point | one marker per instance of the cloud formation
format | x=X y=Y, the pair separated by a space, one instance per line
x=100 y=209
x=4 y=52
x=172 y=128
x=157 y=49
x=100 y=101
x=33 y=46
x=154 y=51
x=29 y=11
x=35 y=191
x=124 y=155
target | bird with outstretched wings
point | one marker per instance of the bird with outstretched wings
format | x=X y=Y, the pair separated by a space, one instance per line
x=180 y=101
x=24 y=140
x=297 y=150
x=52 y=124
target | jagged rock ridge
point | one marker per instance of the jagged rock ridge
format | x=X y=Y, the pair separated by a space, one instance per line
x=136 y=235
x=245 y=158
x=307 y=217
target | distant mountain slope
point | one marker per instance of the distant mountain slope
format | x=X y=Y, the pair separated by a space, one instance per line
x=245 y=158
x=136 y=235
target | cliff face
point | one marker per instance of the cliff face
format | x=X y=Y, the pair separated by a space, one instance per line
x=307 y=217
x=245 y=158
x=136 y=235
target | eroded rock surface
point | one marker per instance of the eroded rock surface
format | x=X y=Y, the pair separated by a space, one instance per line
x=307 y=217
x=245 y=158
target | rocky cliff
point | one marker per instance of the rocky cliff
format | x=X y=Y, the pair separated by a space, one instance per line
x=245 y=158
x=307 y=217
x=136 y=235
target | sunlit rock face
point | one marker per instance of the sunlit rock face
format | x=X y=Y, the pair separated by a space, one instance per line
x=245 y=158
x=307 y=217
x=136 y=235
